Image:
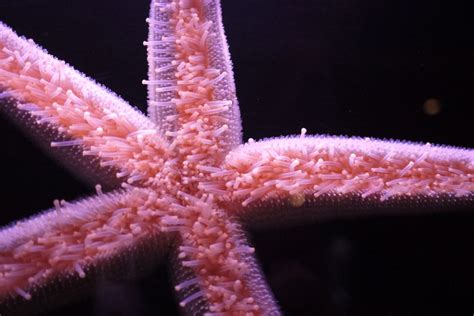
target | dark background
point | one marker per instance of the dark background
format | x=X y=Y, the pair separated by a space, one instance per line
x=347 y=67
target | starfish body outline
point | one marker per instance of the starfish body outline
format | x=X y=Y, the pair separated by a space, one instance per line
x=297 y=192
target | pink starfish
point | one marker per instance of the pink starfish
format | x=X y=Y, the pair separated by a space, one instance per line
x=190 y=177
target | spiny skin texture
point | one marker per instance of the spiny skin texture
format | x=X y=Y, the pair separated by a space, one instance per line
x=323 y=164
x=190 y=201
x=207 y=127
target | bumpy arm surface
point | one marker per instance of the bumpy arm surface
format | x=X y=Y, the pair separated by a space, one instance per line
x=339 y=174
x=47 y=258
x=77 y=117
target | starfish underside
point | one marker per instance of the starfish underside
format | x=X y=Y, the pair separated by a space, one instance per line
x=180 y=181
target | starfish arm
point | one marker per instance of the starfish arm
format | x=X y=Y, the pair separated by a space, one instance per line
x=42 y=257
x=337 y=175
x=192 y=98
x=214 y=267
x=191 y=86
x=61 y=106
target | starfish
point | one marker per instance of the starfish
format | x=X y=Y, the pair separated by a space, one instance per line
x=185 y=177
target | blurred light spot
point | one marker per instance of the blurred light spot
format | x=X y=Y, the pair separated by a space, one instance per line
x=432 y=106
x=296 y=200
